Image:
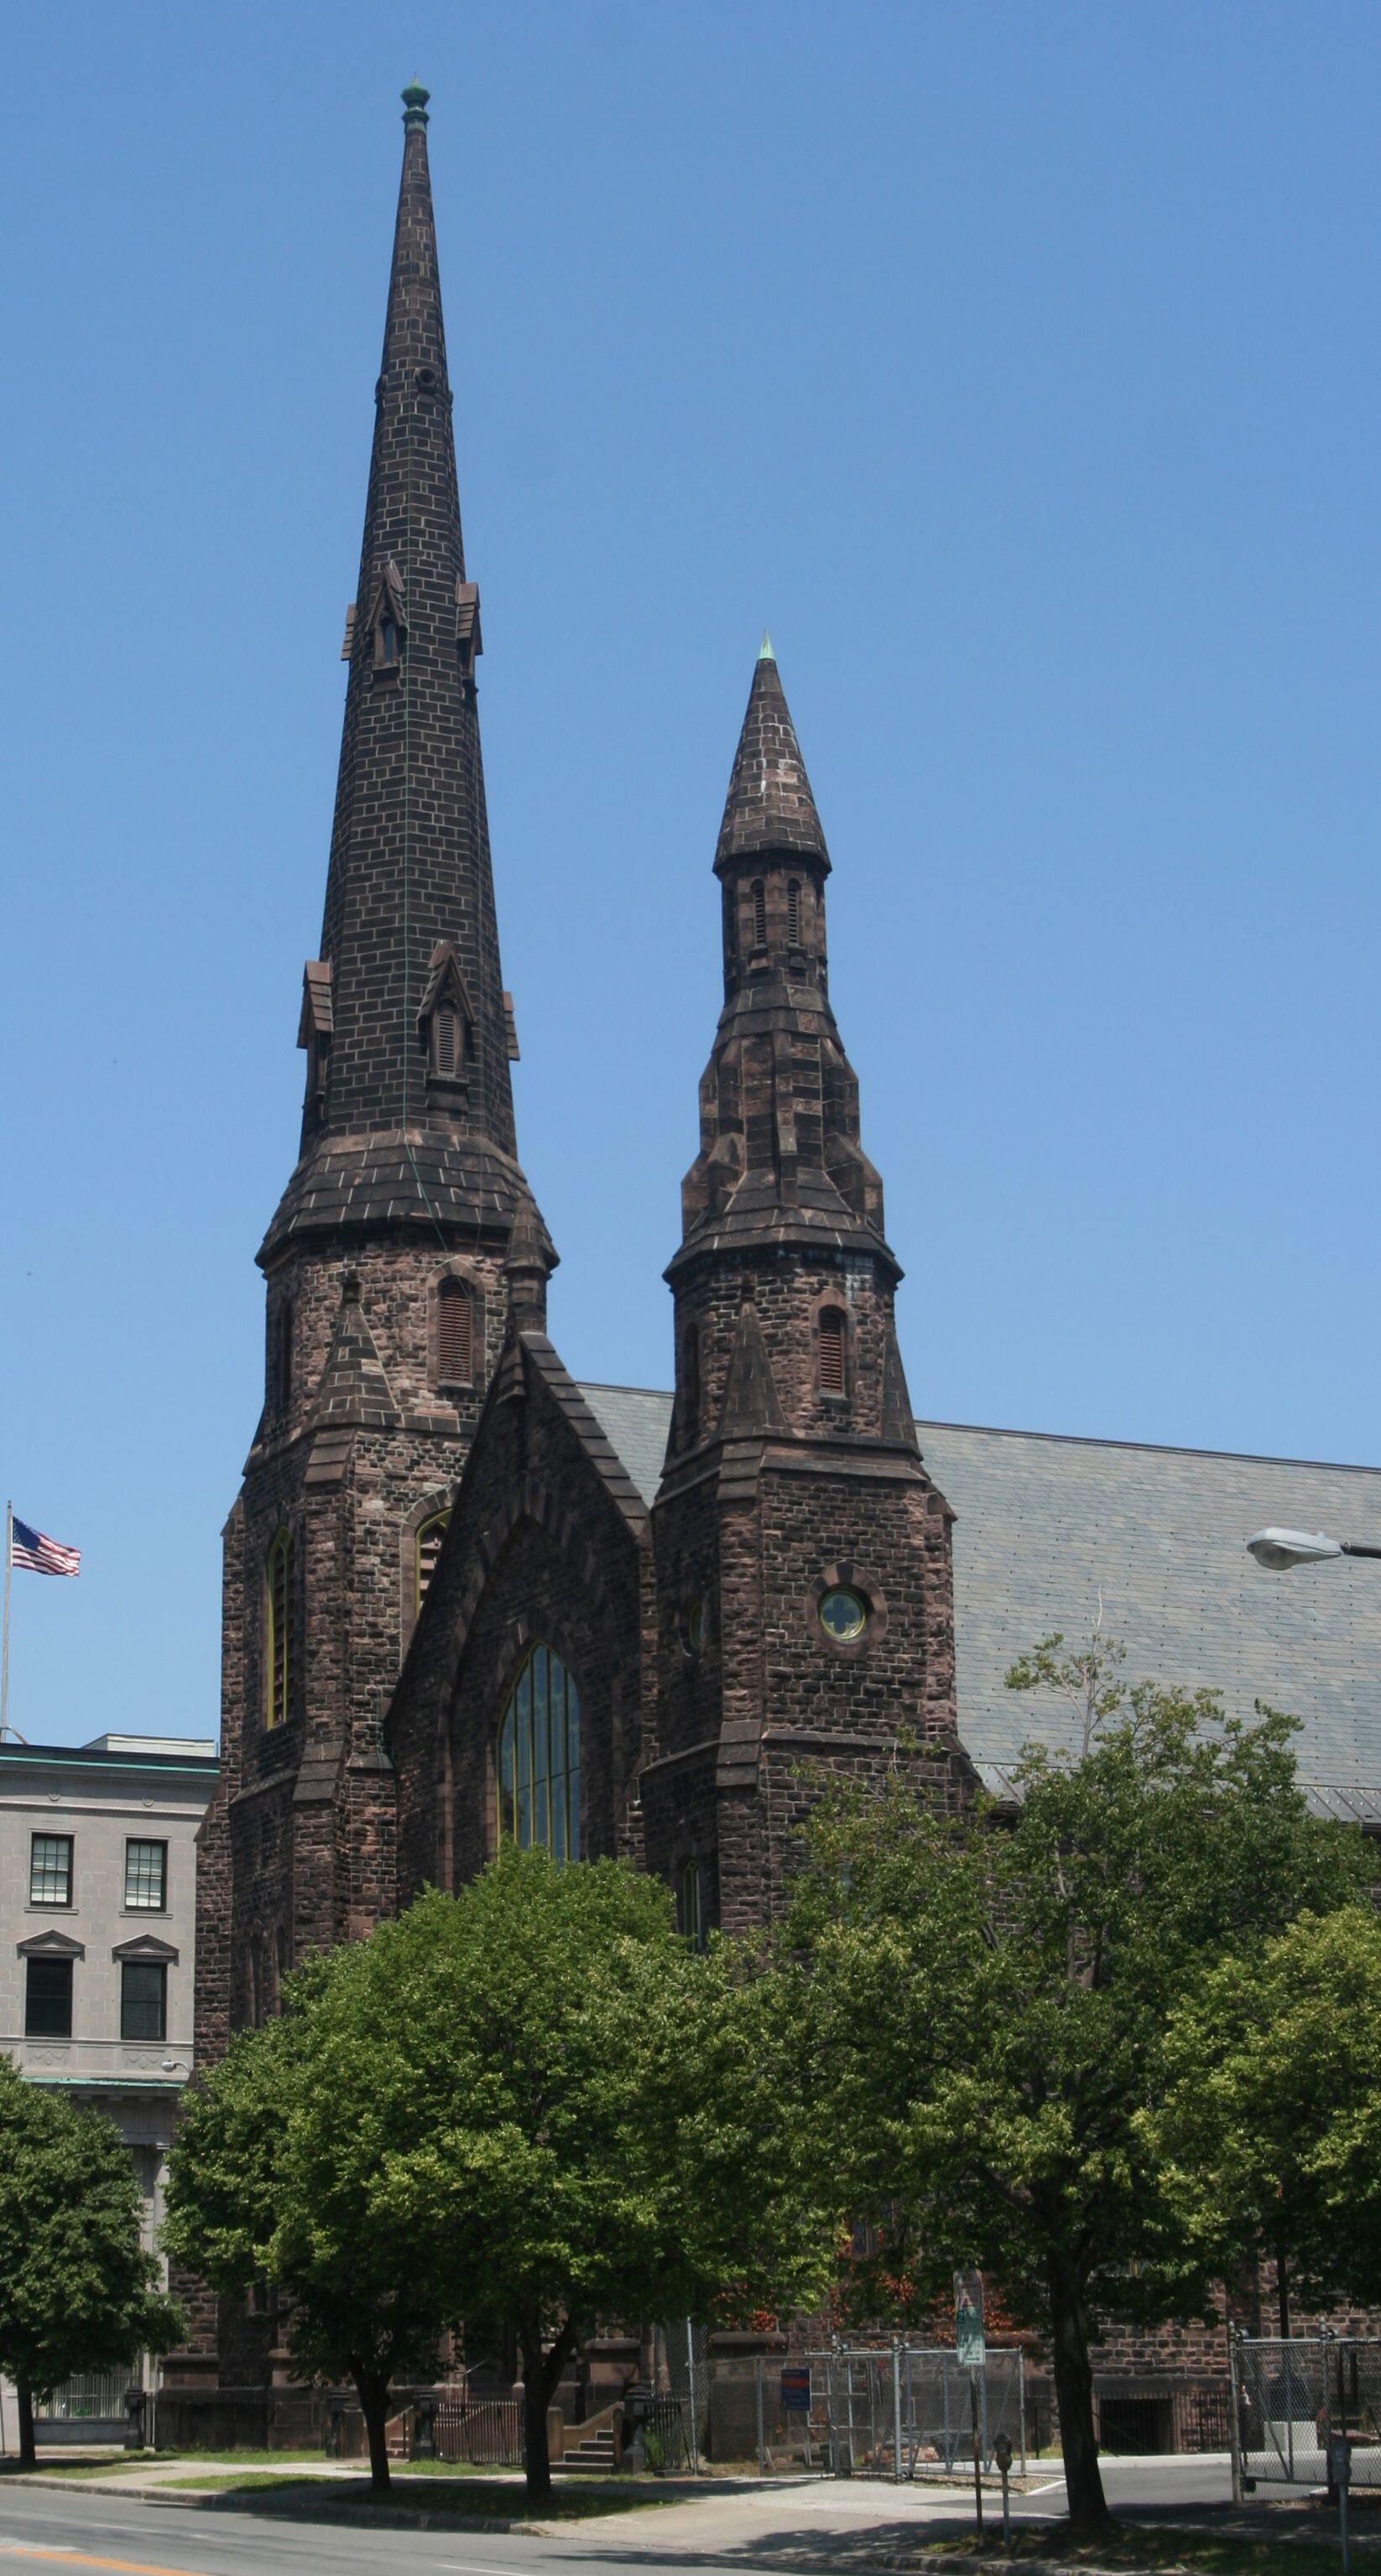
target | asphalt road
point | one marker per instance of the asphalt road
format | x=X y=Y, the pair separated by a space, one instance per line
x=776 y=2529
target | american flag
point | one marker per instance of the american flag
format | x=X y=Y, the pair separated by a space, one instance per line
x=41 y=1555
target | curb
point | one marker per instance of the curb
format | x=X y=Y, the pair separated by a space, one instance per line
x=349 y=2509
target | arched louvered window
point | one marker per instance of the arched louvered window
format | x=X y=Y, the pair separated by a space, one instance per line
x=539 y=1759
x=833 y=1351
x=388 y=643
x=759 y=913
x=690 y=1916
x=446 y=1041
x=278 y=1609
x=429 y=1539
x=793 y=914
x=455 y=1333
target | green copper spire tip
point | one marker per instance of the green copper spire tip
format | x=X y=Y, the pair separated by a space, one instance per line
x=415 y=99
x=765 y=652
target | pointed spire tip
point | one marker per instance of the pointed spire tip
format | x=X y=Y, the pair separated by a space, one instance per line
x=415 y=99
x=765 y=652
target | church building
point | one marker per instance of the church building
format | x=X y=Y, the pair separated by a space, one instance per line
x=467 y=1598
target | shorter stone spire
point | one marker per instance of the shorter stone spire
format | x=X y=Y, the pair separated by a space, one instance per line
x=769 y=806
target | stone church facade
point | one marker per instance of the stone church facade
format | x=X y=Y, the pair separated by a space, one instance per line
x=465 y=1597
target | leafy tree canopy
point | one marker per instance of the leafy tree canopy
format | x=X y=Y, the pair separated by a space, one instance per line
x=527 y=2106
x=76 y=2283
x=1270 y=2128
x=990 y=1999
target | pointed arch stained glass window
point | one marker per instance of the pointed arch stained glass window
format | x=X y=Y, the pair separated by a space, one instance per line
x=539 y=1759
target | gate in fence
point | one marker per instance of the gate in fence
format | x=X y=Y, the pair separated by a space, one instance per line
x=481 y=2432
x=678 y=2424
x=905 y=2411
x=1291 y=2396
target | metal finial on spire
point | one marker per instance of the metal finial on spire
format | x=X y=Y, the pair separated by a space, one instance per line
x=765 y=652
x=415 y=99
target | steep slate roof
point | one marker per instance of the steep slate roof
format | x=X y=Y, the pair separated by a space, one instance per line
x=1044 y=1521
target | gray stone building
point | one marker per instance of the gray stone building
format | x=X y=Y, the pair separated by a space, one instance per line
x=98 y=1858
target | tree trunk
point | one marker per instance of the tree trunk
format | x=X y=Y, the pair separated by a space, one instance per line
x=28 y=2456
x=536 y=2456
x=1088 y=2509
x=372 y=2389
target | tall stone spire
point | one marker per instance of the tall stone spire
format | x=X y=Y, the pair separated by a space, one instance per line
x=780 y=1159
x=408 y=1116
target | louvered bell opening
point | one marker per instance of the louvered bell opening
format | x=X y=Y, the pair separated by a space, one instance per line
x=832 y=1330
x=455 y=1337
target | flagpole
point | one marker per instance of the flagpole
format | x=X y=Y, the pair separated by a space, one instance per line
x=5 y=1640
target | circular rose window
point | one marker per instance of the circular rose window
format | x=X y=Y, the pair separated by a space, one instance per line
x=843 y=1615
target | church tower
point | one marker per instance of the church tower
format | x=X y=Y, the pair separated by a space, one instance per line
x=384 y=1262
x=803 y=1554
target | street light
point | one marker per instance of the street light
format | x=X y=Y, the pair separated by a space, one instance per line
x=1278 y=1549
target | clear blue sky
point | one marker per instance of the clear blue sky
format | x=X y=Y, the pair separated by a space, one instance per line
x=1019 y=365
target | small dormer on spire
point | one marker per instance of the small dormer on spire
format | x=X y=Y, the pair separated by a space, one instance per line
x=387 y=621
x=315 y=1029
x=446 y=1025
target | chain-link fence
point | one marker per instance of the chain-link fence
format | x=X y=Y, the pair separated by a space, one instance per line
x=905 y=2411
x=1292 y=2396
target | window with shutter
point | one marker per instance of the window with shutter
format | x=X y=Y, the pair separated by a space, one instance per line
x=833 y=1330
x=793 y=914
x=455 y=1334
x=759 y=914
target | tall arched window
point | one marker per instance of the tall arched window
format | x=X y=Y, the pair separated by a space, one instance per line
x=455 y=1334
x=834 y=1330
x=793 y=914
x=285 y=1353
x=690 y=1918
x=429 y=1539
x=539 y=1758
x=759 y=913
x=278 y=1604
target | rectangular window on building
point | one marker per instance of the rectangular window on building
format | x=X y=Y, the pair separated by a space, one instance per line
x=143 y=2000
x=50 y=1869
x=146 y=1876
x=48 y=1999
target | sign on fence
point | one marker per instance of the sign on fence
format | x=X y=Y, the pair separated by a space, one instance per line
x=968 y=2320
x=796 y=2389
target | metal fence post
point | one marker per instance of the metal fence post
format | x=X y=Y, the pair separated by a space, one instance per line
x=1021 y=2405
x=1234 y=2417
x=896 y=2410
x=762 y=2439
x=694 y=2405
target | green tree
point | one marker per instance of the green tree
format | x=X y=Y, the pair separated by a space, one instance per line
x=274 y=2179
x=990 y=1995
x=1269 y=2132
x=77 y=2288
x=528 y=2106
